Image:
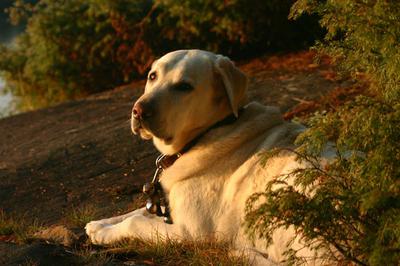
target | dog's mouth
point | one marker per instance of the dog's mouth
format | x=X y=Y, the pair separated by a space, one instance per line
x=168 y=140
x=139 y=128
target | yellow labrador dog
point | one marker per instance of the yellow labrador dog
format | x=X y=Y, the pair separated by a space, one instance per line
x=193 y=110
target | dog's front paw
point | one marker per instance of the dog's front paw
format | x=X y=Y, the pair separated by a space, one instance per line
x=94 y=226
x=101 y=233
x=103 y=236
x=96 y=232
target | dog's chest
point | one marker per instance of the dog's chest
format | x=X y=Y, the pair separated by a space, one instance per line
x=196 y=204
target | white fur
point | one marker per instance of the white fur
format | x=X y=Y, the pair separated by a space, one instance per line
x=208 y=186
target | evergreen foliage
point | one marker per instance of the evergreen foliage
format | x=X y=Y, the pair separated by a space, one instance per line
x=72 y=48
x=350 y=206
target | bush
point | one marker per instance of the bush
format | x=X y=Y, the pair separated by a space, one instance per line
x=240 y=28
x=352 y=205
x=73 y=48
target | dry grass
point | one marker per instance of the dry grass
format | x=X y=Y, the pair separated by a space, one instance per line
x=172 y=252
x=80 y=216
x=164 y=252
x=158 y=251
x=88 y=256
x=17 y=229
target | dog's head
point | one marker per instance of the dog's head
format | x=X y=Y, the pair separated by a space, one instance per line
x=187 y=91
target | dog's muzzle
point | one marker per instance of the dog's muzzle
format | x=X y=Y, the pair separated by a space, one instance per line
x=139 y=114
x=135 y=125
x=138 y=129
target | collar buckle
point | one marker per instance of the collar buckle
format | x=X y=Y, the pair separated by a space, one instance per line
x=156 y=197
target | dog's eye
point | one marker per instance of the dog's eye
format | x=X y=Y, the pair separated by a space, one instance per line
x=183 y=86
x=152 y=76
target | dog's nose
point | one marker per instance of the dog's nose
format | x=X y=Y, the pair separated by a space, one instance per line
x=142 y=110
x=137 y=111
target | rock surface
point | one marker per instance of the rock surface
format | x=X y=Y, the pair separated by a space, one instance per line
x=37 y=253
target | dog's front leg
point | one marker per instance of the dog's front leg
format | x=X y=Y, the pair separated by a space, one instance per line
x=95 y=226
x=138 y=224
x=111 y=221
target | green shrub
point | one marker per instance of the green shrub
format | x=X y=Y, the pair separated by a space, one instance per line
x=73 y=48
x=237 y=27
x=363 y=36
x=352 y=205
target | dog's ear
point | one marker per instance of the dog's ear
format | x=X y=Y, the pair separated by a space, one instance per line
x=234 y=80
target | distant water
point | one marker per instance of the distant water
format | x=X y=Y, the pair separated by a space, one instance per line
x=5 y=100
x=8 y=33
